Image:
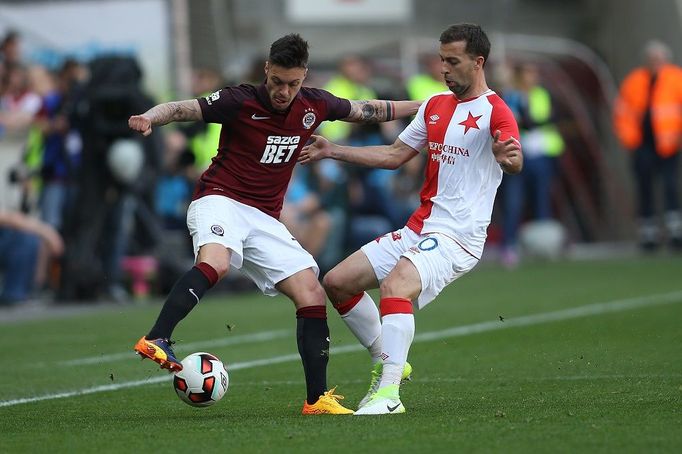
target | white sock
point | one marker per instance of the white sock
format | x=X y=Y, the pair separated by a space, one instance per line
x=364 y=322
x=397 y=333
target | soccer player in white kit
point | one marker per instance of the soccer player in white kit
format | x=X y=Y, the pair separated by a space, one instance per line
x=470 y=137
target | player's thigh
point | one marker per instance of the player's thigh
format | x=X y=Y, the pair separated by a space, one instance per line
x=272 y=254
x=217 y=220
x=303 y=289
x=384 y=252
x=404 y=281
x=350 y=277
x=439 y=260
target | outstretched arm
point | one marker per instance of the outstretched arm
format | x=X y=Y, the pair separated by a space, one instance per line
x=165 y=113
x=382 y=156
x=376 y=110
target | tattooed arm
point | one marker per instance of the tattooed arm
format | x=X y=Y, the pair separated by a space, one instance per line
x=165 y=113
x=376 y=111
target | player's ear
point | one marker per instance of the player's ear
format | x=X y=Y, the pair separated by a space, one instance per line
x=267 y=67
x=480 y=60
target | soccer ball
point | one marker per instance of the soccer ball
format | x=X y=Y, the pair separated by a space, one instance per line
x=202 y=381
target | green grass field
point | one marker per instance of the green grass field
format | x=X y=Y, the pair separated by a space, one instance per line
x=605 y=377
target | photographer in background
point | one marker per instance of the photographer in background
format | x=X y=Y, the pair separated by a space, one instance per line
x=112 y=212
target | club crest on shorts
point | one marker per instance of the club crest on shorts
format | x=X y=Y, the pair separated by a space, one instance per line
x=217 y=230
x=309 y=119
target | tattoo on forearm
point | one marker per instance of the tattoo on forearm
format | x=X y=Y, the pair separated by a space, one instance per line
x=368 y=112
x=389 y=111
x=374 y=111
x=172 y=111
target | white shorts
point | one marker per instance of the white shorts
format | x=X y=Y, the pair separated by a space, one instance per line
x=438 y=258
x=262 y=247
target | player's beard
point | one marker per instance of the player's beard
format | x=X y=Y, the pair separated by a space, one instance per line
x=459 y=90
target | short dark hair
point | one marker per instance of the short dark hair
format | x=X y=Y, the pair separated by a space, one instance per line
x=477 y=41
x=290 y=51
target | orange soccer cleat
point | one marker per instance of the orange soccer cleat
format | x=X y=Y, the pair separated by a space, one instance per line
x=159 y=351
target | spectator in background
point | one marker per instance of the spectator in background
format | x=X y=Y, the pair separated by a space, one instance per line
x=55 y=152
x=431 y=81
x=18 y=104
x=542 y=144
x=329 y=182
x=352 y=82
x=114 y=188
x=174 y=191
x=203 y=137
x=10 y=49
x=648 y=122
x=370 y=201
x=20 y=237
x=303 y=214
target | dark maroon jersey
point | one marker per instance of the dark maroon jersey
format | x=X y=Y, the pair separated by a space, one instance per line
x=259 y=146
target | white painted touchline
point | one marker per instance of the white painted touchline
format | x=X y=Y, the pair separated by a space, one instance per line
x=190 y=346
x=421 y=379
x=526 y=320
x=563 y=314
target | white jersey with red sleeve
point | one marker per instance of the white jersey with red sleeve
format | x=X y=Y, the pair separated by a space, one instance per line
x=462 y=175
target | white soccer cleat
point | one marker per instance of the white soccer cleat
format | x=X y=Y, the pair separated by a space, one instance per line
x=386 y=401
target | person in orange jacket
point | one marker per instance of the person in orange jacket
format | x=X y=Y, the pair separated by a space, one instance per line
x=648 y=122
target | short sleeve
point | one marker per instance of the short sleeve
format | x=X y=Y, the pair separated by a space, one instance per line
x=219 y=106
x=415 y=133
x=502 y=119
x=337 y=108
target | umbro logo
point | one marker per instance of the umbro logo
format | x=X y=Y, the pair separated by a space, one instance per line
x=433 y=119
x=392 y=409
x=257 y=117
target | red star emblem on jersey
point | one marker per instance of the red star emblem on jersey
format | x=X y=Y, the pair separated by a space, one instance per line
x=470 y=122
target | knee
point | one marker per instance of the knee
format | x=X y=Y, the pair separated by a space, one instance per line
x=388 y=288
x=222 y=269
x=221 y=266
x=333 y=283
x=313 y=295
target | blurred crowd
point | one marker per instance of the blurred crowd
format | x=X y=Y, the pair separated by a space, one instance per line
x=100 y=211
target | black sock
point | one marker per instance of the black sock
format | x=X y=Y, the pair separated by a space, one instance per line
x=185 y=294
x=312 y=334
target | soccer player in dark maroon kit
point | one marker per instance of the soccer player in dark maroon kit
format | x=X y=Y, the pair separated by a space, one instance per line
x=233 y=218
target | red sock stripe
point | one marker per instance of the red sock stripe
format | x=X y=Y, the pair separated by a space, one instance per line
x=395 y=306
x=344 y=308
x=208 y=271
x=312 y=312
